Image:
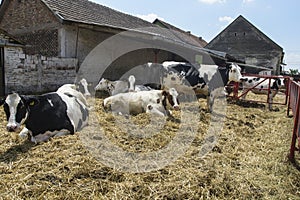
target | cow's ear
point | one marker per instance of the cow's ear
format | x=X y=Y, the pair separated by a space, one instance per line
x=164 y=93
x=30 y=100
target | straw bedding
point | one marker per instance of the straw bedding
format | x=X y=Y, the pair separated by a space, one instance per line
x=245 y=159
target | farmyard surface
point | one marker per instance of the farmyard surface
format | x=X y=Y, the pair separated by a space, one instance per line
x=249 y=161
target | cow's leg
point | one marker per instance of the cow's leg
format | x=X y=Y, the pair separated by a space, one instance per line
x=272 y=94
x=244 y=95
x=47 y=135
x=24 y=133
x=153 y=110
x=62 y=133
x=211 y=100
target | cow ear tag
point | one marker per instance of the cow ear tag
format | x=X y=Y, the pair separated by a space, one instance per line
x=31 y=103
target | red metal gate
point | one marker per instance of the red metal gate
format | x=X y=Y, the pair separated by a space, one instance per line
x=264 y=79
x=294 y=103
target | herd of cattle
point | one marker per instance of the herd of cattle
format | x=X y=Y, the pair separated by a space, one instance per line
x=66 y=110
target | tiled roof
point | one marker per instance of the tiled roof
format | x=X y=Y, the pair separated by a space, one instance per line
x=182 y=35
x=85 y=11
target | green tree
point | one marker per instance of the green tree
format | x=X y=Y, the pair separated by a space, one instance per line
x=294 y=71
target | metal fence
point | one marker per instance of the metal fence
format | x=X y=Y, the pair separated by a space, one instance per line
x=264 y=80
x=293 y=104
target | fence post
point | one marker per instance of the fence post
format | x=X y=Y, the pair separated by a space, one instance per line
x=295 y=130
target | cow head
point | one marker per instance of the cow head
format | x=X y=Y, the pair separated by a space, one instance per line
x=103 y=84
x=172 y=97
x=16 y=108
x=234 y=73
x=85 y=85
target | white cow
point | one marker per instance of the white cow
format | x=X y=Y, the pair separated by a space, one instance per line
x=112 y=87
x=85 y=84
x=133 y=87
x=120 y=86
x=153 y=101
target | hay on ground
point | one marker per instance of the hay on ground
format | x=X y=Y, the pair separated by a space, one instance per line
x=248 y=159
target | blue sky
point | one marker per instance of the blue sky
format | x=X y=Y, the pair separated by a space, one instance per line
x=207 y=18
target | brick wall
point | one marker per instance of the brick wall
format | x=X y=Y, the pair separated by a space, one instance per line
x=38 y=30
x=19 y=18
x=29 y=74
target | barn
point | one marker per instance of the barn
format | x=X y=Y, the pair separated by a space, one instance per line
x=246 y=42
x=60 y=34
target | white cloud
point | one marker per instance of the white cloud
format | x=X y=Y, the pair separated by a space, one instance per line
x=150 y=17
x=212 y=1
x=225 y=19
x=247 y=1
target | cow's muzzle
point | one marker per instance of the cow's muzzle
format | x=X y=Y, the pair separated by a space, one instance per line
x=12 y=128
x=176 y=108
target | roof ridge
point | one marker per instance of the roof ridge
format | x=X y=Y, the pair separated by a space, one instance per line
x=175 y=29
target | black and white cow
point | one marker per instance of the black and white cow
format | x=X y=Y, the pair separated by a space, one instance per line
x=51 y=114
x=260 y=85
x=208 y=80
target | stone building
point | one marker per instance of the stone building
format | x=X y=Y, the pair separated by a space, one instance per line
x=31 y=73
x=61 y=35
x=247 y=43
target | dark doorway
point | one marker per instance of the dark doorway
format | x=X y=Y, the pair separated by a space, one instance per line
x=2 y=82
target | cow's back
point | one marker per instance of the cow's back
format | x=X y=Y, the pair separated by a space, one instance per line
x=76 y=110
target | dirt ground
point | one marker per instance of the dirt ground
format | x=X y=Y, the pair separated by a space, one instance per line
x=238 y=153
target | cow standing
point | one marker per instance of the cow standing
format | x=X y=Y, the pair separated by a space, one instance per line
x=208 y=80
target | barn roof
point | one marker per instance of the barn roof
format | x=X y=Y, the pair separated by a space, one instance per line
x=90 y=13
x=184 y=36
x=87 y=12
x=8 y=40
x=84 y=11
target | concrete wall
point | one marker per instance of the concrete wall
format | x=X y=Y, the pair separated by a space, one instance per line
x=36 y=74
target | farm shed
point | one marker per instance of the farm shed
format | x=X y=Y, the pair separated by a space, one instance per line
x=245 y=42
x=70 y=29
